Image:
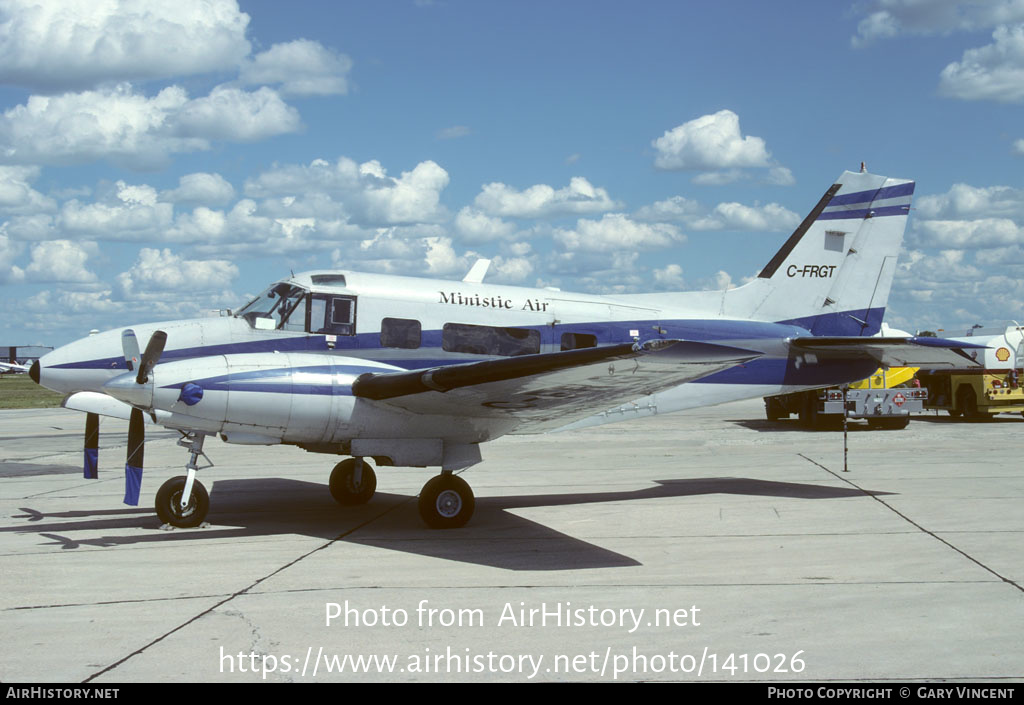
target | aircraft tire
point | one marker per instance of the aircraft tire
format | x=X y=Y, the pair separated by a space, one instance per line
x=168 y=503
x=446 y=502
x=343 y=486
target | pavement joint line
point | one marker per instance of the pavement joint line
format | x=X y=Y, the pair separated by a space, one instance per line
x=914 y=523
x=246 y=589
x=804 y=583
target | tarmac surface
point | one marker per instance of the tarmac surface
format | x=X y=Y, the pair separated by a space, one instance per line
x=705 y=546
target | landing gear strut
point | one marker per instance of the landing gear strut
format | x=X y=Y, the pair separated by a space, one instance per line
x=183 y=501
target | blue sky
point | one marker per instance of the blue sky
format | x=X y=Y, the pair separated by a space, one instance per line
x=163 y=160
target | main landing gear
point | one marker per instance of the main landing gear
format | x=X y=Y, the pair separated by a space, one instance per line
x=446 y=501
x=353 y=481
x=183 y=501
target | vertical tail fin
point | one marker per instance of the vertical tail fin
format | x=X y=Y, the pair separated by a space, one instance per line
x=833 y=275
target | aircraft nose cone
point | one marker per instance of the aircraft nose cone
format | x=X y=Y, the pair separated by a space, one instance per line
x=33 y=371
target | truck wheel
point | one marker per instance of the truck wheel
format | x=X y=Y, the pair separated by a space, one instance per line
x=889 y=424
x=967 y=403
x=808 y=412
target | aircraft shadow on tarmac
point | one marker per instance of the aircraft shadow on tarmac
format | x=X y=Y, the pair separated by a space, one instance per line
x=495 y=537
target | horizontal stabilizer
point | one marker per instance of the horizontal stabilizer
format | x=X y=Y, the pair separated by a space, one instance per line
x=544 y=391
x=893 y=352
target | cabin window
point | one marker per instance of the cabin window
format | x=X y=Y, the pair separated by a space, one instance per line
x=575 y=341
x=488 y=340
x=334 y=315
x=400 y=333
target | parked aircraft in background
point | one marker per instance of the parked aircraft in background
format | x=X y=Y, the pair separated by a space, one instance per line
x=421 y=372
x=13 y=367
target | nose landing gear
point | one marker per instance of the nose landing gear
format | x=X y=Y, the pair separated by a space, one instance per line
x=183 y=501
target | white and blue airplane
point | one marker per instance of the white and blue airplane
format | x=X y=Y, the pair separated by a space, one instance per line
x=421 y=372
x=13 y=367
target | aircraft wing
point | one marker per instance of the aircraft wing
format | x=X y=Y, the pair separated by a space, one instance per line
x=894 y=352
x=541 y=392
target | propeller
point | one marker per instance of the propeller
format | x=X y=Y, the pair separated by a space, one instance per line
x=143 y=366
x=154 y=349
x=92 y=444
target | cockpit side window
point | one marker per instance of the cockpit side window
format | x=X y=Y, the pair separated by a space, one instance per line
x=296 y=316
x=281 y=306
x=332 y=314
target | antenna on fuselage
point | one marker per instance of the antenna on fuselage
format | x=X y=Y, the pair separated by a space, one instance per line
x=477 y=272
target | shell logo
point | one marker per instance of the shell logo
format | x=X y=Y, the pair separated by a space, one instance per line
x=1002 y=354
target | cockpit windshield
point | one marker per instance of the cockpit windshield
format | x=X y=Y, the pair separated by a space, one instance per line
x=281 y=306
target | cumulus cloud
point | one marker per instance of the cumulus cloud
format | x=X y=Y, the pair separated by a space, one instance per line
x=890 y=18
x=724 y=216
x=236 y=115
x=780 y=176
x=412 y=197
x=965 y=201
x=365 y=192
x=474 y=226
x=992 y=72
x=242 y=223
x=677 y=209
x=509 y=270
x=161 y=271
x=539 y=201
x=670 y=277
x=967 y=291
x=300 y=67
x=68 y=44
x=128 y=212
x=207 y=189
x=968 y=234
x=710 y=143
x=17 y=195
x=736 y=216
x=422 y=250
x=129 y=129
x=61 y=261
x=9 y=251
x=616 y=232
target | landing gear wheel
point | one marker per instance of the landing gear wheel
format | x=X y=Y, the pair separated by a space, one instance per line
x=446 y=502
x=168 y=503
x=344 y=487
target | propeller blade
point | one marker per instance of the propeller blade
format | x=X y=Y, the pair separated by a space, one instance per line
x=133 y=462
x=154 y=349
x=130 y=346
x=92 y=443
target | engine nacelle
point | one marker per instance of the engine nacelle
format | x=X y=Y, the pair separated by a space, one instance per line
x=259 y=398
